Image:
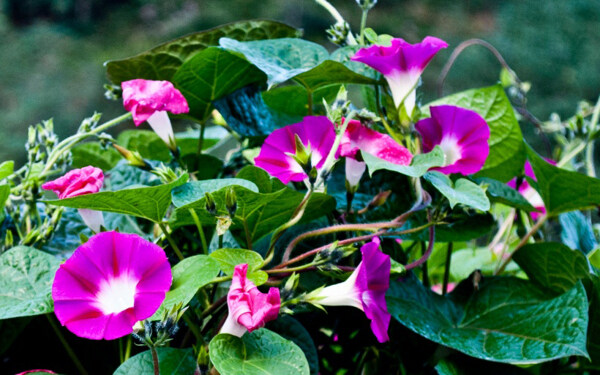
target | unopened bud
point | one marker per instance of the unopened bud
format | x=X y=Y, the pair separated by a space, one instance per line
x=231 y=201
x=210 y=204
x=223 y=224
x=133 y=157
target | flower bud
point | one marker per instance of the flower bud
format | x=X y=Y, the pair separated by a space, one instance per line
x=210 y=205
x=231 y=201
x=366 y=4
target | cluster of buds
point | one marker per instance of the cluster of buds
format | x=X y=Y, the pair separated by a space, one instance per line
x=41 y=141
x=43 y=232
x=339 y=108
x=113 y=92
x=89 y=123
x=166 y=174
x=158 y=333
x=338 y=33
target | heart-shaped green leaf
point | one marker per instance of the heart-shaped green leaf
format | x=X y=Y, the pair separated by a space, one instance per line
x=418 y=167
x=261 y=352
x=461 y=191
x=148 y=202
x=189 y=275
x=26 y=276
x=171 y=361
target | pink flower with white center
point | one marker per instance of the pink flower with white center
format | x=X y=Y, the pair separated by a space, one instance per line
x=249 y=309
x=529 y=193
x=364 y=289
x=401 y=64
x=34 y=371
x=150 y=101
x=462 y=135
x=360 y=138
x=109 y=283
x=87 y=180
x=291 y=152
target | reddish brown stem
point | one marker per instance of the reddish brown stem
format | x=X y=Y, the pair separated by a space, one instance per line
x=423 y=259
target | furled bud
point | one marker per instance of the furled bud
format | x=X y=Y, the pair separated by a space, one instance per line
x=133 y=157
x=210 y=204
x=231 y=201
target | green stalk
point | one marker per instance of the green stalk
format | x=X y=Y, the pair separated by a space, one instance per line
x=66 y=345
x=200 y=231
x=363 y=24
x=69 y=142
x=163 y=228
x=447 y=268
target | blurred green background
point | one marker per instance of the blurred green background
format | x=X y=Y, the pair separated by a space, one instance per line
x=52 y=50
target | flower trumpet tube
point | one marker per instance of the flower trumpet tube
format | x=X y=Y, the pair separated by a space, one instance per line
x=249 y=309
x=401 y=64
x=150 y=101
x=358 y=138
x=462 y=135
x=529 y=193
x=109 y=283
x=365 y=289
x=297 y=152
x=87 y=180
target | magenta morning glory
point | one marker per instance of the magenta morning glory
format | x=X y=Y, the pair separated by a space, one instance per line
x=249 y=309
x=109 y=283
x=87 y=180
x=365 y=289
x=291 y=152
x=360 y=138
x=150 y=101
x=401 y=63
x=462 y=135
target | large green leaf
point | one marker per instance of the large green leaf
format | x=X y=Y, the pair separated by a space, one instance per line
x=501 y=193
x=6 y=169
x=593 y=343
x=26 y=276
x=552 y=266
x=506 y=156
x=279 y=59
x=562 y=190
x=460 y=191
x=92 y=153
x=257 y=214
x=190 y=192
x=171 y=361
x=291 y=329
x=212 y=74
x=229 y=258
x=261 y=352
x=189 y=275
x=148 y=202
x=290 y=103
x=306 y=62
x=506 y=320
x=161 y=63
x=4 y=194
x=417 y=168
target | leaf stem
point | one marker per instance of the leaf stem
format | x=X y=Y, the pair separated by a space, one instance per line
x=165 y=231
x=66 y=345
x=155 y=364
x=522 y=243
x=363 y=24
x=427 y=252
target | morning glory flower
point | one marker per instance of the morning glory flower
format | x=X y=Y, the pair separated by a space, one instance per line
x=364 y=289
x=109 y=283
x=150 y=101
x=360 y=138
x=401 y=64
x=291 y=153
x=87 y=180
x=249 y=309
x=529 y=193
x=462 y=135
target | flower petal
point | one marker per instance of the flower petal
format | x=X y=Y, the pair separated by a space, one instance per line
x=144 y=97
